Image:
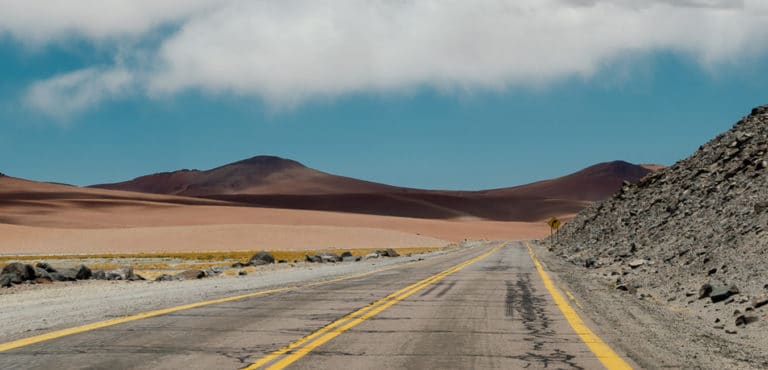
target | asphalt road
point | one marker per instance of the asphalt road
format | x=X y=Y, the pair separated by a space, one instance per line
x=493 y=313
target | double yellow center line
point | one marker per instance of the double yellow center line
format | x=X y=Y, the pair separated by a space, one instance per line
x=298 y=349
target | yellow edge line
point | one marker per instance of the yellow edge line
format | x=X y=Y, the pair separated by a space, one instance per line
x=144 y=315
x=345 y=323
x=602 y=351
x=571 y=297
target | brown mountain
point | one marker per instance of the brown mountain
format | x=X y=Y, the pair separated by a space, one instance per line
x=257 y=175
x=274 y=182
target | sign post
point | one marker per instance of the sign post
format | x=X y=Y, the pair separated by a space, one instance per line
x=554 y=224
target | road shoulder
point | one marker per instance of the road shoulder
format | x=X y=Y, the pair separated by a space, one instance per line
x=644 y=330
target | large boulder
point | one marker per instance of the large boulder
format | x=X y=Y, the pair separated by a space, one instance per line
x=19 y=271
x=262 y=258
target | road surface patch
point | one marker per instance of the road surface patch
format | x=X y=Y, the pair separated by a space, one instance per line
x=300 y=348
x=145 y=315
x=602 y=351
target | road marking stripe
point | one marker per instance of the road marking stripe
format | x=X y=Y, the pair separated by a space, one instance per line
x=332 y=330
x=145 y=315
x=602 y=351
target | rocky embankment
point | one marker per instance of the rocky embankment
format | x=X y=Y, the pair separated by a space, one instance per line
x=17 y=273
x=693 y=236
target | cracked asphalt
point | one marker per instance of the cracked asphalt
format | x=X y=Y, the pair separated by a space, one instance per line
x=493 y=314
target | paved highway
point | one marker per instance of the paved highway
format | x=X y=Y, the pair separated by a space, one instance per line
x=483 y=308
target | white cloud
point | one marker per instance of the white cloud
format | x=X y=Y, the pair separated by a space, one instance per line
x=41 y=21
x=70 y=93
x=286 y=51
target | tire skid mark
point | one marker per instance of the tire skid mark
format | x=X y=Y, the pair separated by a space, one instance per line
x=523 y=303
x=432 y=288
x=447 y=288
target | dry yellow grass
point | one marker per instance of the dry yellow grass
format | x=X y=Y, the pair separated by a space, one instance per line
x=195 y=260
x=212 y=255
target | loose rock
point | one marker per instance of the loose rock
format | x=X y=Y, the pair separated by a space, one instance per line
x=6 y=280
x=722 y=293
x=262 y=258
x=19 y=271
x=191 y=274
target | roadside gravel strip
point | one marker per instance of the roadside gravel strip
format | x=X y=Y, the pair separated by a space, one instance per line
x=37 y=310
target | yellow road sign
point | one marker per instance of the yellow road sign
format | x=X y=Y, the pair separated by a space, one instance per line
x=554 y=223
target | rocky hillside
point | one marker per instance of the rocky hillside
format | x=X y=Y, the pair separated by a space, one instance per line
x=693 y=235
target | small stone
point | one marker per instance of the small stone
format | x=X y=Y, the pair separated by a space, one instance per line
x=711 y=271
x=745 y=320
x=190 y=275
x=719 y=294
x=43 y=280
x=312 y=259
x=705 y=291
x=760 y=301
x=329 y=257
x=45 y=267
x=636 y=263
x=83 y=272
x=371 y=255
x=242 y=272
x=6 y=280
x=728 y=331
x=389 y=252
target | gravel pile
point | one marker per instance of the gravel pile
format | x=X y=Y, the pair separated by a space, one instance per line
x=693 y=235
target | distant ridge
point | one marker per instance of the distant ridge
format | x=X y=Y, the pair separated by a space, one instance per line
x=269 y=181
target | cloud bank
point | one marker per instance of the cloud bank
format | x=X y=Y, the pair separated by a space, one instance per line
x=288 y=51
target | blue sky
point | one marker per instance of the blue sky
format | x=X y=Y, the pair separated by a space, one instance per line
x=110 y=104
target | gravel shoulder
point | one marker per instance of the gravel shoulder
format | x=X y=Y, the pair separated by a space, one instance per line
x=655 y=334
x=33 y=310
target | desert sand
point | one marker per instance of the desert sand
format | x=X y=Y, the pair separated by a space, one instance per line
x=50 y=218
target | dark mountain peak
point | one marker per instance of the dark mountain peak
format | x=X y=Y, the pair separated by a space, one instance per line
x=626 y=170
x=268 y=162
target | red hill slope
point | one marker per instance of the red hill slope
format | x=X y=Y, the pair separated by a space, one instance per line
x=281 y=183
